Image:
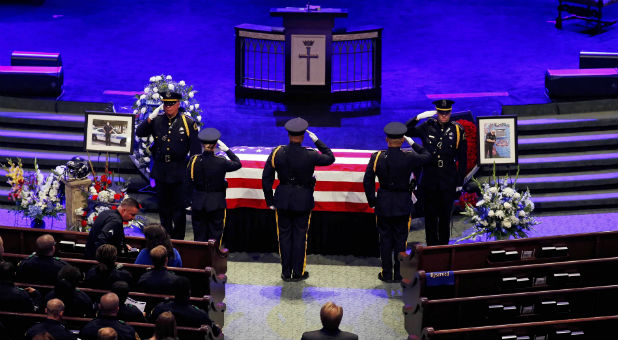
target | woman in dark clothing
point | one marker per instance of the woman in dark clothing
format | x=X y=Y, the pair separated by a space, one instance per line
x=104 y=274
x=76 y=302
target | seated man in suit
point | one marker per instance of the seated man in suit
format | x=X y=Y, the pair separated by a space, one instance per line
x=331 y=315
x=108 y=317
x=13 y=299
x=126 y=312
x=41 y=267
x=157 y=280
x=53 y=324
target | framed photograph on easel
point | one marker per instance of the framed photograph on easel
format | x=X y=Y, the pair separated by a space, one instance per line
x=497 y=136
x=109 y=132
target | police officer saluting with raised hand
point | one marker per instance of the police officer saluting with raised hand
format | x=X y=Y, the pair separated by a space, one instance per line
x=442 y=177
x=207 y=175
x=293 y=198
x=175 y=136
x=393 y=203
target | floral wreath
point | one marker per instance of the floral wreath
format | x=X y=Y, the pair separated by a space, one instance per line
x=150 y=101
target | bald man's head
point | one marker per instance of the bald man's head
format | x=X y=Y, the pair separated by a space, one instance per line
x=107 y=333
x=54 y=309
x=109 y=304
x=45 y=245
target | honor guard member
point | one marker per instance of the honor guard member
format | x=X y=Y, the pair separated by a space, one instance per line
x=293 y=199
x=175 y=136
x=207 y=175
x=444 y=175
x=393 y=204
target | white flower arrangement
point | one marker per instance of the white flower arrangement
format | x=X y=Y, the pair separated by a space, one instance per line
x=502 y=212
x=150 y=101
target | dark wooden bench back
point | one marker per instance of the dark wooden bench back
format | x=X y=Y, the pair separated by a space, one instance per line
x=194 y=254
x=20 y=322
x=203 y=281
x=604 y=327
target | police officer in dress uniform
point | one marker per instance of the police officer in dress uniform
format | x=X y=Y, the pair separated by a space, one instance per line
x=442 y=177
x=293 y=199
x=393 y=204
x=108 y=317
x=175 y=135
x=207 y=175
x=41 y=267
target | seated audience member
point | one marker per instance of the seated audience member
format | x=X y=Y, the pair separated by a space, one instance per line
x=104 y=274
x=156 y=235
x=126 y=312
x=13 y=299
x=109 y=229
x=185 y=313
x=108 y=317
x=53 y=324
x=165 y=327
x=331 y=315
x=157 y=280
x=41 y=267
x=107 y=333
x=76 y=302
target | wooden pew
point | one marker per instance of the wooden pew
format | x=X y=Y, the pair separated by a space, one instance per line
x=512 y=308
x=203 y=281
x=194 y=254
x=215 y=310
x=20 y=322
x=594 y=328
x=509 y=252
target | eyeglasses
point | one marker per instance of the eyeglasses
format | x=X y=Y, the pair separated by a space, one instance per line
x=169 y=103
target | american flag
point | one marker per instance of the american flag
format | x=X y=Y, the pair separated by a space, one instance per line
x=339 y=186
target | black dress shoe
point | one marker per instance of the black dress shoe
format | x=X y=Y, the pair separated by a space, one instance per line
x=398 y=278
x=382 y=278
x=286 y=278
x=300 y=277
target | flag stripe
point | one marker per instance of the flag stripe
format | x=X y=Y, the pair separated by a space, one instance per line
x=254 y=183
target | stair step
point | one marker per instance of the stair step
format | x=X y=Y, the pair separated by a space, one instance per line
x=570 y=161
x=31 y=137
x=51 y=158
x=598 y=121
x=568 y=181
x=579 y=200
x=43 y=119
x=567 y=141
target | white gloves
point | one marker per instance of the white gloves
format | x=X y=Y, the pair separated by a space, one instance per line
x=409 y=140
x=271 y=207
x=222 y=146
x=458 y=189
x=426 y=114
x=312 y=135
x=155 y=113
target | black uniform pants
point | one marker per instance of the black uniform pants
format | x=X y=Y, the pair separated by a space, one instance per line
x=393 y=233
x=438 y=207
x=292 y=229
x=208 y=225
x=172 y=208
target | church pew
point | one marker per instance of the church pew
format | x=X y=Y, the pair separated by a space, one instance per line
x=594 y=328
x=194 y=254
x=20 y=322
x=215 y=310
x=509 y=252
x=512 y=308
x=203 y=281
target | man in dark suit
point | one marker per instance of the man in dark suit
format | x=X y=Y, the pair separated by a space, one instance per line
x=41 y=267
x=207 y=175
x=12 y=298
x=108 y=227
x=443 y=176
x=108 y=317
x=157 y=280
x=126 y=312
x=293 y=198
x=393 y=204
x=175 y=137
x=53 y=324
x=330 y=315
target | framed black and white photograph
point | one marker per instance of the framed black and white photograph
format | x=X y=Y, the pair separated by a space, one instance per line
x=109 y=132
x=497 y=140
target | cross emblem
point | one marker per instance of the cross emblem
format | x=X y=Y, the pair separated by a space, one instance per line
x=308 y=56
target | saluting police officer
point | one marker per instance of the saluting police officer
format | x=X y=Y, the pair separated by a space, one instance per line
x=175 y=136
x=393 y=204
x=293 y=199
x=207 y=175
x=444 y=175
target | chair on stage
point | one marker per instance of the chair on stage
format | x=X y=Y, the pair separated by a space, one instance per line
x=589 y=10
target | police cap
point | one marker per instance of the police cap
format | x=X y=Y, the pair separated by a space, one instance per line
x=395 y=130
x=296 y=126
x=209 y=135
x=444 y=106
x=170 y=96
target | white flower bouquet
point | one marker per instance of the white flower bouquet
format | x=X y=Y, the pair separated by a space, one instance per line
x=501 y=212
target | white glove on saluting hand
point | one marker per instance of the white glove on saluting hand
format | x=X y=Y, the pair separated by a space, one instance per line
x=312 y=135
x=409 y=140
x=222 y=146
x=426 y=114
x=155 y=113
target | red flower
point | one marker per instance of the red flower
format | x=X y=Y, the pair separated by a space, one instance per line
x=114 y=207
x=94 y=197
x=109 y=181
x=97 y=188
x=94 y=218
x=84 y=223
x=103 y=178
x=85 y=213
x=117 y=196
